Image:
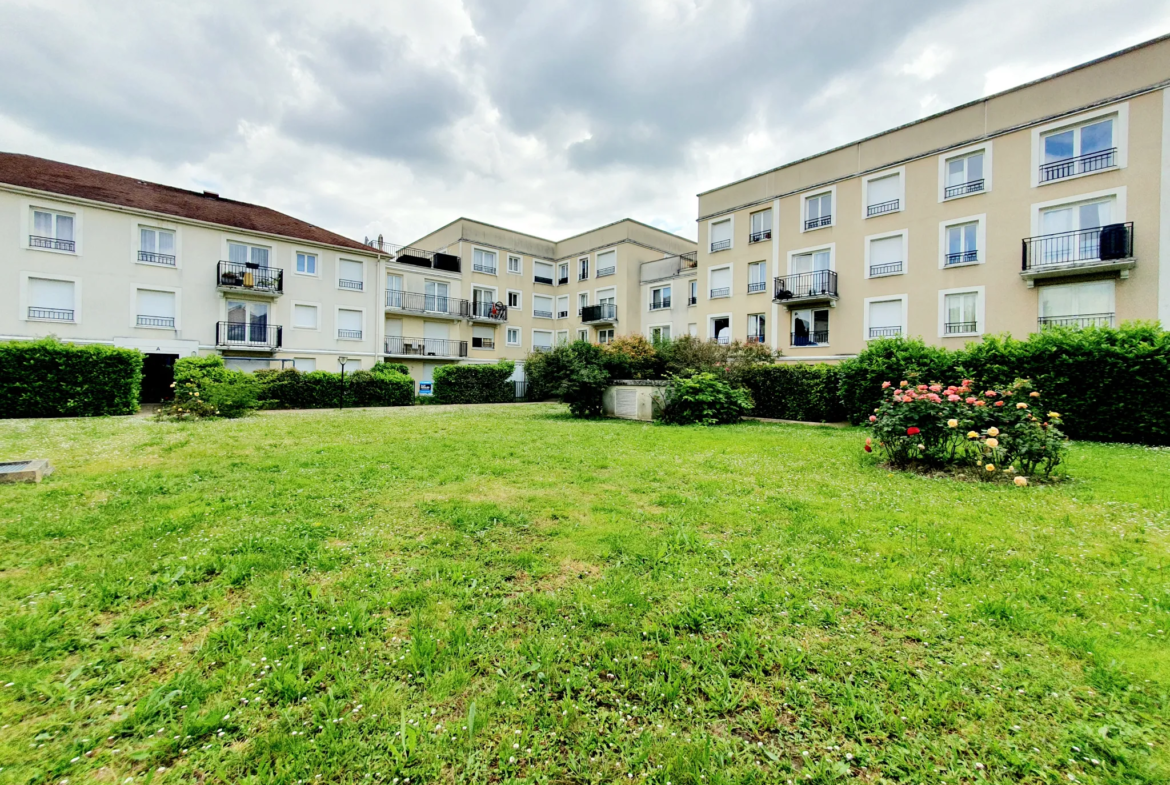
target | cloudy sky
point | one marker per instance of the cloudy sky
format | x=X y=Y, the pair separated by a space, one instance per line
x=546 y=116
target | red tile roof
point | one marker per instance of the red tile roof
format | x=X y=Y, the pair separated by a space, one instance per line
x=41 y=174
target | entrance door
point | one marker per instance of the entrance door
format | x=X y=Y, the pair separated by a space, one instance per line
x=158 y=373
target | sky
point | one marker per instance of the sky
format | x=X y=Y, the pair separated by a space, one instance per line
x=550 y=117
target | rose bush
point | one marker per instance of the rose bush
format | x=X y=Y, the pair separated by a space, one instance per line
x=997 y=433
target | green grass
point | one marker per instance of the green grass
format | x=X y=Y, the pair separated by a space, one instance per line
x=502 y=594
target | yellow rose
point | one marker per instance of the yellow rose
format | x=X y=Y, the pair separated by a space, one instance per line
x=972 y=435
x=993 y=431
x=993 y=443
x=990 y=467
x=1054 y=415
x=1021 y=481
x=1021 y=406
x=1034 y=394
x=953 y=423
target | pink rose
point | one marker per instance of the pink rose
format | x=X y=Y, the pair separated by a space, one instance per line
x=990 y=393
x=885 y=385
x=999 y=403
x=922 y=388
x=953 y=398
x=936 y=388
x=872 y=418
x=933 y=398
x=972 y=399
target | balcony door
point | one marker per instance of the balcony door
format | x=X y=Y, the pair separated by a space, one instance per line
x=436 y=296
x=247 y=321
x=252 y=255
x=810 y=327
x=810 y=262
x=1073 y=233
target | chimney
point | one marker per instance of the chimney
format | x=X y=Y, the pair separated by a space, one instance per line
x=210 y=194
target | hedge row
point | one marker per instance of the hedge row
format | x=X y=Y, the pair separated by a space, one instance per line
x=475 y=383
x=292 y=389
x=795 y=392
x=47 y=378
x=1109 y=384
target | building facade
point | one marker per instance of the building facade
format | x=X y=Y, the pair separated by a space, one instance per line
x=1045 y=204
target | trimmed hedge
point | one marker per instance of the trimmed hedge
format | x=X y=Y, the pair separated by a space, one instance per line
x=292 y=389
x=1108 y=384
x=475 y=383
x=795 y=392
x=401 y=368
x=48 y=378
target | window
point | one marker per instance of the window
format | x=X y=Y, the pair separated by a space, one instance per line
x=1077 y=305
x=542 y=272
x=52 y=231
x=563 y=306
x=810 y=327
x=483 y=337
x=884 y=317
x=1071 y=233
x=254 y=255
x=812 y=262
x=660 y=333
x=51 y=300
x=305 y=364
x=605 y=336
x=721 y=235
x=659 y=298
x=887 y=256
x=1082 y=149
x=349 y=324
x=883 y=195
x=962 y=244
x=542 y=306
x=513 y=298
x=694 y=298
x=351 y=364
x=350 y=275
x=155 y=309
x=757 y=277
x=761 y=228
x=583 y=335
x=435 y=297
x=305 y=316
x=483 y=261
x=720 y=283
x=562 y=273
x=156 y=246
x=606 y=263
x=513 y=336
x=542 y=340
x=818 y=211
x=515 y=264
x=755 y=329
x=720 y=328
x=582 y=268
x=608 y=297
x=582 y=302
x=306 y=263
x=562 y=337
x=247 y=325
x=964 y=175
x=959 y=316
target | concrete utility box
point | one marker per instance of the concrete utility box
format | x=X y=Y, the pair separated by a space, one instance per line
x=25 y=471
x=633 y=399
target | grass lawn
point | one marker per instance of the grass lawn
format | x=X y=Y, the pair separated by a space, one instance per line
x=503 y=594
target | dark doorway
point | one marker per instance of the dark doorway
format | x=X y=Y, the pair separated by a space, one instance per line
x=158 y=372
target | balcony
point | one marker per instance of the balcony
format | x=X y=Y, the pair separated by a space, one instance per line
x=757 y=286
x=889 y=268
x=434 y=305
x=165 y=259
x=1080 y=164
x=416 y=257
x=604 y=271
x=961 y=257
x=885 y=332
x=51 y=243
x=249 y=277
x=486 y=311
x=962 y=189
x=1100 y=249
x=720 y=245
x=51 y=314
x=605 y=313
x=162 y=322
x=1082 y=320
x=810 y=338
x=760 y=236
x=817 y=223
x=815 y=286
x=243 y=336
x=960 y=328
x=353 y=286
x=881 y=208
x=483 y=343
x=399 y=346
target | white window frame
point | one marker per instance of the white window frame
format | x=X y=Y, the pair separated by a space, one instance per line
x=830 y=247
x=811 y=309
x=764 y=266
x=768 y=228
x=731 y=235
x=519 y=307
x=964 y=152
x=137 y=287
x=552 y=336
x=730 y=267
x=581 y=305
x=557 y=306
x=552 y=309
x=1120 y=139
x=597 y=264
x=832 y=189
x=491 y=251
x=557 y=339
x=338 y=278
x=1117 y=194
x=320 y=262
x=766 y=316
x=729 y=316
x=292 y=314
x=508 y=336
x=900 y=173
x=980 y=310
x=24 y=295
x=1112 y=296
x=904 y=298
x=604 y=293
x=238 y=240
x=980 y=240
x=693 y=292
x=583 y=334
x=904 y=234
x=612 y=335
x=157 y=226
x=552 y=277
x=650 y=328
x=659 y=288
x=588 y=267
x=568 y=272
x=337 y=321
x=58 y=208
x=519 y=264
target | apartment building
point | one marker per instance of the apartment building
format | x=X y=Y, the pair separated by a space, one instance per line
x=470 y=291
x=93 y=257
x=1045 y=204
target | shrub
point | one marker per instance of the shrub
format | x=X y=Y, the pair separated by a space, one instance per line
x=795 y=392
x=475 y=383
x=399 y=368
x=205 y=387
x=575 y=373
x=632 y=357
x=48 y=378
x=292 y=389
x=687 y=355
x=993 y=433
x=883 y=359
x=703 y=398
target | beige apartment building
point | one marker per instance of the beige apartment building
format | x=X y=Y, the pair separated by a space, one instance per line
x=1045 y=204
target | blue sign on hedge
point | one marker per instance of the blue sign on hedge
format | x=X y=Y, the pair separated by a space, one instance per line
x=424 y=388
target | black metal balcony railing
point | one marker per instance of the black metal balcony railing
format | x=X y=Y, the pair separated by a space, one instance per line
x=689 y=260
x=722 y=291
x=882 y=207
x=692 y=301
x=1079 y=164
x=156 y=321
x=956 y=328
x=889 y=268
x=253 y=277
x=542 y=314
x=425 y=303
x=962 y=189
x=1082 y=320
x=604 y=271
x=432 y=259
x=157 y=258
x=660 y=304
x=884 y=332
x=564 y=279
x=811 y=338
x=542 y=279
x=563 y=314
x=962 y=257
x=52 y=243
x=1101 y=244
x=344 y=283
x=489 y=311
x=425 y=347
x=243 y=335
x=720 y=245
x=763 y=234
x=480 y=267
x=349 y=335
x=817 y=223
x=818 y=283
x=757 y=286
x=55 y=314
x=483 y=343
x=605 y=312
